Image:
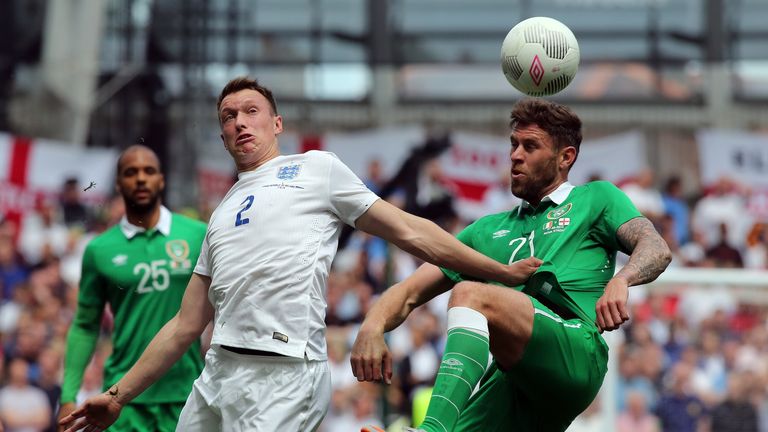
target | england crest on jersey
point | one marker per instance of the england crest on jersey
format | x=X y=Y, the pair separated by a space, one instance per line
x=288 y=172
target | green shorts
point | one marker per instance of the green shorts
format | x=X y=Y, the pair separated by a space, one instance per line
x=560 y=373
x=138 y=417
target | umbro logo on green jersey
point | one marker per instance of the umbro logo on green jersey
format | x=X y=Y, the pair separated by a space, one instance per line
x=119 y=260
x=500 y=233
x=452 y=362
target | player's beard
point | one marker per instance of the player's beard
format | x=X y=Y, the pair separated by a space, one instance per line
x=538 y=180
x=142 y=208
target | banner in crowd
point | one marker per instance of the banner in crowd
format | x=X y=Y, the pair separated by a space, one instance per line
x=475 y=168
x=741 y=156
x=33 y=169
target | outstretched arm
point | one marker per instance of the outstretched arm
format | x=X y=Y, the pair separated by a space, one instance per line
x=84 y=332
x=371 y=360
x=424 y=239
x=166 y=348
x=649 y=255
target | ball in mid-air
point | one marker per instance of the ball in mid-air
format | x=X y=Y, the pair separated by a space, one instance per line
x=540 y=56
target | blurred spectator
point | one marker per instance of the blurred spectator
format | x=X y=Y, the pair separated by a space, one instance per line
x=679 y=410
x=697 y=303
x=434 y=199
x=338 y=359
x=23 y=408
x=679 y=339
x=30 y=341
x=590 y=420
x=756 y=255
x=723 y=254
x=646 y=198
x=374 y=255
x=677 y=208
x=43 y=234
x=92 y=380
x=693 y=253
x=636 y=417
x=710 y=369
x=725 y=204
x=419 y=367
x=666 y=227
x=633 y=381
x=736 y=413
x=374 y=176
x=13 y=271
x=409 y=176
x=361 y=403
x=348 y=293
x=49 y=381
x=75 y=213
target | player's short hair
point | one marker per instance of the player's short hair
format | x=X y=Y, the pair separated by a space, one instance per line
x=559 y=121
x=132 y=148
x=246 y=83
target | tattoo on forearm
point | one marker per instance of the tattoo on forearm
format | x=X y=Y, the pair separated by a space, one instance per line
x=114 y=391
x=649 y=253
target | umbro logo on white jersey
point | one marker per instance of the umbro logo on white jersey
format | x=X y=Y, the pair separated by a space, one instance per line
x=119 y=260
x=500 y=233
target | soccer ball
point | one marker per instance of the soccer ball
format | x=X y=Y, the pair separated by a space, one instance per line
x=540 y=56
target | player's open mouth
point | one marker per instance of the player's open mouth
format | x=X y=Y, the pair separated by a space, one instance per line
x=242 y=139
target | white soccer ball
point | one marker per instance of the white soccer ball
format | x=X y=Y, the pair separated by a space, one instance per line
x=540 y=56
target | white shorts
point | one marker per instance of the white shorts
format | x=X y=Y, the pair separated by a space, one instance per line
x=252 y=393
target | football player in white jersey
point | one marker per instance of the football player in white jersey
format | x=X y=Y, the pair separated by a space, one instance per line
x=262 y=277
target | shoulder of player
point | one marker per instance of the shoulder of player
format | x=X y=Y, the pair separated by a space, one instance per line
x=322 y=156
x=597 y=186
x=109 y=237
x=491 y=219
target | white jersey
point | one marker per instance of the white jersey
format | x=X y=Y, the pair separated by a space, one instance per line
x=268 y=251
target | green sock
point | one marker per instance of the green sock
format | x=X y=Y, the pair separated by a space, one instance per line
x=463 y=364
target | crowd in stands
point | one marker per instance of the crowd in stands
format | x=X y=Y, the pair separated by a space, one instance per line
x=690 y=360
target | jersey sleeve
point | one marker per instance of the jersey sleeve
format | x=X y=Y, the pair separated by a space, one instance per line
x=465 y=236
x=348 y=196
x=203 y=261
x=84 y=331
x=614 y=208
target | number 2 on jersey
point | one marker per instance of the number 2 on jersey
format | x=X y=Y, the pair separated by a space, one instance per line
x=240 y=220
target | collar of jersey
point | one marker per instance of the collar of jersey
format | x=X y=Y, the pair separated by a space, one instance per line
x=260 y=168
x=163 y=225
x=557 y=196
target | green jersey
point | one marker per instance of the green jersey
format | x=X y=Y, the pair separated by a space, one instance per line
x=573 y=230
x=142 y=275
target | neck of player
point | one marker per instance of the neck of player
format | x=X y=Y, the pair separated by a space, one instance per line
x=145 y=219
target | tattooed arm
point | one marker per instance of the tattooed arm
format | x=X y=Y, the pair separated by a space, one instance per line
x=649 y=255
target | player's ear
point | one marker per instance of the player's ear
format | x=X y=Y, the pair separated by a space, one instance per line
x=567 y=157
x=278 y=127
